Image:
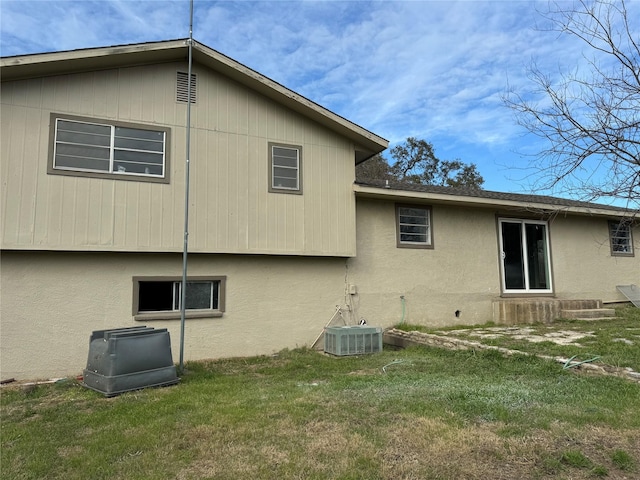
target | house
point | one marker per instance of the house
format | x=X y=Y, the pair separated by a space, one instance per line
x=93 y=153
x=440 y=256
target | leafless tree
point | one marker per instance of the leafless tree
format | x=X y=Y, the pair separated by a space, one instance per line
x=590 y=118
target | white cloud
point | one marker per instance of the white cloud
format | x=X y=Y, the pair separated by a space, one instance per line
x=431 y=69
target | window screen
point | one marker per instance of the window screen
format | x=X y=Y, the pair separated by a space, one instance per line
x=285 y=168
x=620 y=238
x=103 y=148
x=413 y=225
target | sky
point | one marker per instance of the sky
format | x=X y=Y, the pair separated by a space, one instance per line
x=436 y=70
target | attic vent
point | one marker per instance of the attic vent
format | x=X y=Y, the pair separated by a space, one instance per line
x=182 y=94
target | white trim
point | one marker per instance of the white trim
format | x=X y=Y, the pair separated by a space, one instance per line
x=274 y=166
x=525 y=255
x=426 y=225
x=112 y=149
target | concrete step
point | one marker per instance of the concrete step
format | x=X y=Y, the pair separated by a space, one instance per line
x=513 y=311
x=579 y=304
x=589 y=313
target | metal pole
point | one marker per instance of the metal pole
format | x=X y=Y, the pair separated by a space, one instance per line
x=185 y=250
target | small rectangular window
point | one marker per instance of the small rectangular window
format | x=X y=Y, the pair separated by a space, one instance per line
x=107 y=149
x=160 y=297
x=413 y=226
x=620 y=238
x=285 y=168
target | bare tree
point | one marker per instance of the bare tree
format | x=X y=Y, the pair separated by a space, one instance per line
x=589 y=119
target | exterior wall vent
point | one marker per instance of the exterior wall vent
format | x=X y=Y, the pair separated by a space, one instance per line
x=352 y=340
x=182 y=87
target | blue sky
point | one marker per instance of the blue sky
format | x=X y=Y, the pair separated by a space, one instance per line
x=435 y=70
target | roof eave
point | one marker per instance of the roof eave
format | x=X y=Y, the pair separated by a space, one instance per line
x=366 y=142
x=20 y=67
x=480 y=202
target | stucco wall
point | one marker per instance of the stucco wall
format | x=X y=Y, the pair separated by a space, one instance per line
x=462 y=271
x=582 y=262
x=51 y=302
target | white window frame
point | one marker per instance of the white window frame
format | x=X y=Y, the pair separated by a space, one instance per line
x=274 y=166
x=174 y=297
x=401 y=213
x=525 y=255
x=114 y=168
x=621 y=238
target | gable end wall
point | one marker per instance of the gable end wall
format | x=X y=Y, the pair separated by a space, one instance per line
x=231 y=210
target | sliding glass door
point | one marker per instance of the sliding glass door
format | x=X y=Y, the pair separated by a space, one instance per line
x=524 y=249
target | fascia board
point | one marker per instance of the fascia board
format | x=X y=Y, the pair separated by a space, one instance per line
x=479 y=202
x=272 y=89
x=59 y=63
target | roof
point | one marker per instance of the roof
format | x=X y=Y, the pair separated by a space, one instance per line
x=399 y=191
x=20 y=67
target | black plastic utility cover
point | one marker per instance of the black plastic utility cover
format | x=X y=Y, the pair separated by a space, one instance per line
x=125 y=359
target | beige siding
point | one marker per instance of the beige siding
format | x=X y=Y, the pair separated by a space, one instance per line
x=462 y=271
x=230 y=209
x=52 y=301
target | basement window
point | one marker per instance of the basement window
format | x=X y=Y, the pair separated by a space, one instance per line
x=620 y=238
x=160 y=297
x=413 y=226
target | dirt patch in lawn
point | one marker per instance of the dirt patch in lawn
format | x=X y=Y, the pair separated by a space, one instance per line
x=448 y=339
x=560 y=337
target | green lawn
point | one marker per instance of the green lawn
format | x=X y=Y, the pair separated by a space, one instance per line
x=614 y=342
x=419 y=413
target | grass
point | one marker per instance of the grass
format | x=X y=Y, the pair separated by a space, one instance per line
x=623 y=460
x=614 y=342
x=419 y=413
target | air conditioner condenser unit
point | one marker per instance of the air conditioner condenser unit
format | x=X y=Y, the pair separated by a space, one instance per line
x=352 y=340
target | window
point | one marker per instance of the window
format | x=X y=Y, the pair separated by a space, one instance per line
x=413 y=226
x=285 y=167
x=108 y=149
x=160 y=297
x=620 y=238
x=526 y=258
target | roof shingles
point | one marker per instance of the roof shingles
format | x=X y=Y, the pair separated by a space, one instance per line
x=488 y=194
